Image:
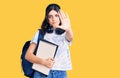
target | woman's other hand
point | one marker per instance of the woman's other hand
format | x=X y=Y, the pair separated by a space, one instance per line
x=48 y=62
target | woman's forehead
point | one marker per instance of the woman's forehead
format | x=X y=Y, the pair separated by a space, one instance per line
x=52 y=12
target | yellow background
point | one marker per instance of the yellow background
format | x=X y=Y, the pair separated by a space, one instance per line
x=95 y=51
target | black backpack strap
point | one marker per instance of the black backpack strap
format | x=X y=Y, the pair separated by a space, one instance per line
x=40 y=36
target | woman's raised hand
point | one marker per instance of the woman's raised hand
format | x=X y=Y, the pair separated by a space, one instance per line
x=65 y=20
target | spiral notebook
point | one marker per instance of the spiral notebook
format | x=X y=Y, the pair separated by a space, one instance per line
x=45 y=50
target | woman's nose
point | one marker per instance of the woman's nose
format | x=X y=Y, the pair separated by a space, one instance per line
x=54 y=18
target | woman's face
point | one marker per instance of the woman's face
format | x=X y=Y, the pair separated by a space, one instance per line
x=53 y=19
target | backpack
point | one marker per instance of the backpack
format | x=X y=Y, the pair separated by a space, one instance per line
x=26 y=65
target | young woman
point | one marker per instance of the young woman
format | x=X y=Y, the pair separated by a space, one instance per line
x=56 y=29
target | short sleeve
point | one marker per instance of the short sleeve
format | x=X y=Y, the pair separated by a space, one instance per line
x=35 y=38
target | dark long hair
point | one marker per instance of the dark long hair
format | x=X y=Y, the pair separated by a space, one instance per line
x=45 y=25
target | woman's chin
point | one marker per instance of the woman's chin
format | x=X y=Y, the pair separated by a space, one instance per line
x=55 y=26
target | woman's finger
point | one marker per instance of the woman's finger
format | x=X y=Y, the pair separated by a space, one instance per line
x=67 y=16
x=63 y=14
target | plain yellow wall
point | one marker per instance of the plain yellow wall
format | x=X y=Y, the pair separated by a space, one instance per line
x=95 y=51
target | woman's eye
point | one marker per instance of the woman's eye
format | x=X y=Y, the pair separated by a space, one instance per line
x=49 y=16
x=56 y=15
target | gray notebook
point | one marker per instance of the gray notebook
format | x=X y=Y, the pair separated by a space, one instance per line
x=45 y=50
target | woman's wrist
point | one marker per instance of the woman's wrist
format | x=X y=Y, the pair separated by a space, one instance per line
x=68 y=30
x=69 y=34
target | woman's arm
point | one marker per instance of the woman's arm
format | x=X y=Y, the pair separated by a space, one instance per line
x=65 y=24
x=33 y=59
x=69 y=34
x=30 y=56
